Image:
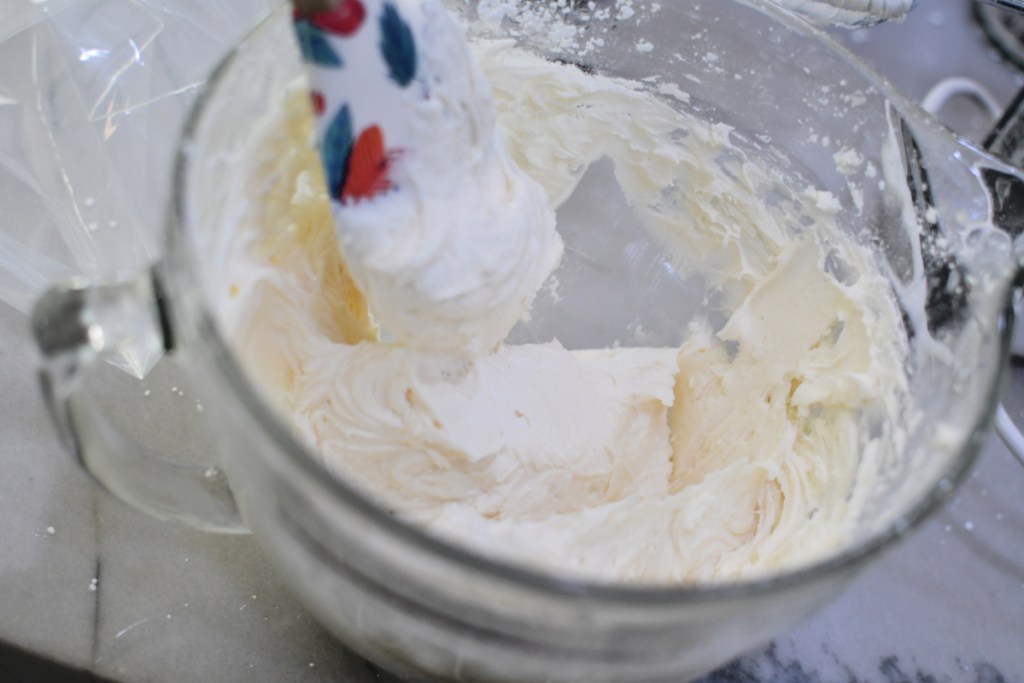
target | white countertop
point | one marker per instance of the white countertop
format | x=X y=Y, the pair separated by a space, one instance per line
x=170 y=604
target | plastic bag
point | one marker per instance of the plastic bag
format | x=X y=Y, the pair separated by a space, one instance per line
x=93 y=94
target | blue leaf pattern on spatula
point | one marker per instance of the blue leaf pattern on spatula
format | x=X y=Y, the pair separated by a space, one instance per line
x=315 y=47
x=336 y=148
x=398 y=46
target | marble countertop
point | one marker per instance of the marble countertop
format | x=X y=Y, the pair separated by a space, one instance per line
x=91 y=583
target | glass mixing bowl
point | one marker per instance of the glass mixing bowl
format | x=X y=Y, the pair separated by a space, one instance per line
x=427 y=609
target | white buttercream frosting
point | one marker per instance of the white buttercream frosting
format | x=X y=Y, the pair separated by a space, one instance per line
x=739 y=452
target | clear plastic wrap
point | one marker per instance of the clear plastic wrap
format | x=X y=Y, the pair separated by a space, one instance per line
x=92 y=96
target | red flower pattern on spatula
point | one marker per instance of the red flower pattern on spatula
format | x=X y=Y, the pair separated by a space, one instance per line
x=368 y=166
x=317 y=98
x=344 y=20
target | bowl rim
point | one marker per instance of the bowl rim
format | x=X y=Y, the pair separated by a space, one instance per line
x=301 y=456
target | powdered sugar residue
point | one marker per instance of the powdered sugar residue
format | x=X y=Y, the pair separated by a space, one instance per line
x=570 y=26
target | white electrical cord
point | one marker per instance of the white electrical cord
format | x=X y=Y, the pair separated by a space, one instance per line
x=957 y=86
x=941 y=93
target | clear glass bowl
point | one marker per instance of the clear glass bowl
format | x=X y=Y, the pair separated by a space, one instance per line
x=427 y=609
